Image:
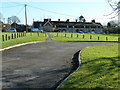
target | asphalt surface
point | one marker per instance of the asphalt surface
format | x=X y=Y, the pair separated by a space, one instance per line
x=39 y=65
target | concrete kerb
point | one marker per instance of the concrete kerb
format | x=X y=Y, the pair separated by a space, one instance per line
x=18 y=45
x=79 y=60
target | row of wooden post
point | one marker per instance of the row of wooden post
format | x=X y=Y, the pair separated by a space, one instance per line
x=83 y=36
x=17 y=35
x=13 y=36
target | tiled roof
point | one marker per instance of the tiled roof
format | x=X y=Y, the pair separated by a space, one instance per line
x=70 y=24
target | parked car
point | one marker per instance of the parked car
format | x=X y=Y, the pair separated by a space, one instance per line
x=100 y=33
x=42 y=31
x=81 y=32
x=35 y=30
x=11 y=30
x=92 y=32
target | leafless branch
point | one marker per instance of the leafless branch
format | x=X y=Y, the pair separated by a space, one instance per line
x=116 y=8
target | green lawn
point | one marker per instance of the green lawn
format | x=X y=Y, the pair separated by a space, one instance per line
x=30 y=37
x=100 y=69
x=84 y=37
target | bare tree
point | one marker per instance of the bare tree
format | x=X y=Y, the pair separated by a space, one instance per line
x=14 y=19
x=113 y=23
x=81 y=19
x=115 y=5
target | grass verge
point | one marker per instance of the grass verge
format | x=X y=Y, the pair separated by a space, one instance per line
x=30 y=37
x=100 y=69
x=84 y=37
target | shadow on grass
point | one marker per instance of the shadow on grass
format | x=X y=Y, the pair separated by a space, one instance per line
x=113 y=60
x=100 y=72
x=104 y=67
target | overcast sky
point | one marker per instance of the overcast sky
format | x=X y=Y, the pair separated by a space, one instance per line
x=55 y=9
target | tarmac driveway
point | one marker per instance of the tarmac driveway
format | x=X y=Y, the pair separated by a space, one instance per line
x=39 y=65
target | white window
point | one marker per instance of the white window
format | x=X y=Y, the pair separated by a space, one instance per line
x=73 y=26
x=67 y=26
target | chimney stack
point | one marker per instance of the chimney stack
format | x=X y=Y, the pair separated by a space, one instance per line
x=67 y=20
x=45 y=20
x=59 y=20
x=76 y=20
x=93 y=21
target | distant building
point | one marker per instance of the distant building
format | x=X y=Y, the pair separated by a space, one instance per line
x=20 y=27
x=5 y=27
x=67 y=26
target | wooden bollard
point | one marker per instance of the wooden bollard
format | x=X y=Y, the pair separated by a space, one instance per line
x=30 y=33
x=77 y=35
x=98 y=38
x=118 y=39
x=12 y=36
x=57 y=35
x=6 y=37
x=106 y=38
x=24 y=33
x=71 y=35
x=83 y=36
x=90 y=37
x=38 y=33
x=65 y=34
x=17 y=35
x=45 y=35
x=3 y=39
x=20 y=34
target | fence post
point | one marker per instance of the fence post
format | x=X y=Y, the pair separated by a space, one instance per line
x=30 y=34
x=38 y=33
x=3 y=38
x=23 y=33
x=98 y=38
x=118 y=39
x=45 y=35
x=57 y=35
x=106 y=38
x=6 y=37
x=71 y=35
x=19 y=34
x=77 y=35
x=83 y=36
x=15 y=35
x=12 y=36
x=65 y=34
x=90 y=37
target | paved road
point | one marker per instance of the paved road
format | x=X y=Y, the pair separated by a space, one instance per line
x=39 y=65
